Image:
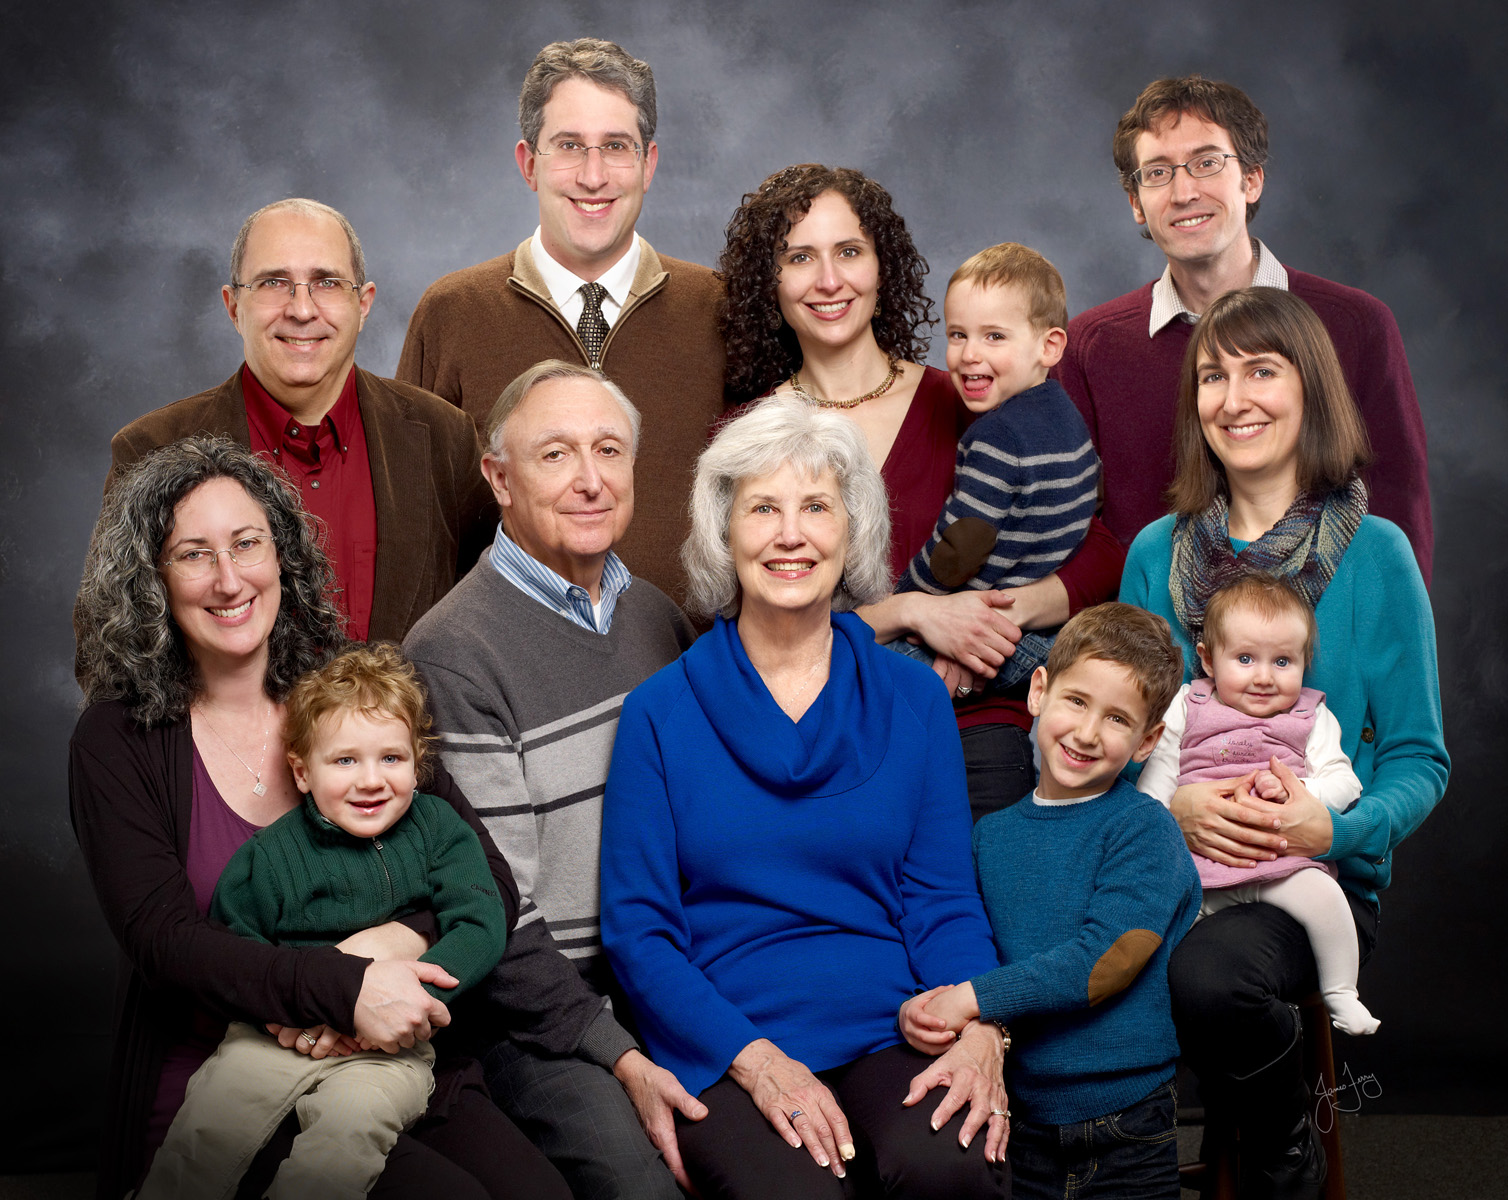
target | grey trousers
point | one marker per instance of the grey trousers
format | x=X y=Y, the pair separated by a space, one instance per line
x=351 y=1111
x=580 y=1116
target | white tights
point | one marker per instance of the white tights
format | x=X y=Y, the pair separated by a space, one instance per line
x=1313 y=899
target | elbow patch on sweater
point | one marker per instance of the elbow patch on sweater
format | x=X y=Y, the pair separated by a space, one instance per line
x=1120 y=964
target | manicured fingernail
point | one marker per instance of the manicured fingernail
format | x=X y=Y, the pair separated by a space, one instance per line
x=965 y=1142
x=846 y=1151
x=823 y=1160
x=935 y=1127
x=841 y=1173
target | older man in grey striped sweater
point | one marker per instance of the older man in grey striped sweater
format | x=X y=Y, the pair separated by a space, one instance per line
x=527 y=662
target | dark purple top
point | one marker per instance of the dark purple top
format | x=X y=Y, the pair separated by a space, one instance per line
x=216 y=832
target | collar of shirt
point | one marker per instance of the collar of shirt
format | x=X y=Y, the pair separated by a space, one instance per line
x=1042 y=801
x=565 y=286
x=295 y=446
x=570 y=600
x=1167 y=305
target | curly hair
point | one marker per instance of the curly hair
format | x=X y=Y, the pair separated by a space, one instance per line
x=762 y=348
x=374 y=680
x=129 y=647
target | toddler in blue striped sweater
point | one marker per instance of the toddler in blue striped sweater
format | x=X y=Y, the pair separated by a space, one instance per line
x=1027 y=477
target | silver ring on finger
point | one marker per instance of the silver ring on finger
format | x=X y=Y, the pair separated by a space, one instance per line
x=964 y=691
x=796 y=1112
x=309 y=1037
x=1000 y=1112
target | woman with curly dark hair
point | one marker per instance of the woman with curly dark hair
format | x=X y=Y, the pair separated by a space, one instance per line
x=824 y=300
x=205 y=596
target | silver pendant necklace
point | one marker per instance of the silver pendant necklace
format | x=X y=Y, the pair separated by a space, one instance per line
x=258 y=787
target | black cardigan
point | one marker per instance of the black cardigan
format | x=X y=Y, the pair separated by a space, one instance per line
x=130 y=797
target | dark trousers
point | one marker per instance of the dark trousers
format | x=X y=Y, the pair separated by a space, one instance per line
x=1234 y=979
x=998 y=759
x=580 y=1116
x=735 y=1153
x=462 y=1149
x=1129 y=1155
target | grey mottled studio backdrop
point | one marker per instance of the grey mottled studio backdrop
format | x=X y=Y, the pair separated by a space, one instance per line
x=135 y=137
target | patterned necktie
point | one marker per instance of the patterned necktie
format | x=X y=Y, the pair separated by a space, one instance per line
x=593 y=325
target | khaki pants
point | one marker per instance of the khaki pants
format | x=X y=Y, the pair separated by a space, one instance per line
x=351 y=1111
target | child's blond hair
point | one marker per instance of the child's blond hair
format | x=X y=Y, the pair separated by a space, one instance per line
x=1012 y=264
x=374 y=680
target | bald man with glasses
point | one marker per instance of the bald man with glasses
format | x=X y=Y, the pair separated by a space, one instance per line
x=586 y=288
x=393 y=471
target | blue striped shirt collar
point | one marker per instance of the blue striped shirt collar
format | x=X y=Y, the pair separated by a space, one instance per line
x=570 y=600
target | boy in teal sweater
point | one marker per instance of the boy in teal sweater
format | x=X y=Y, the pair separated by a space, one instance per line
x=1088 y=887
x=363 y=848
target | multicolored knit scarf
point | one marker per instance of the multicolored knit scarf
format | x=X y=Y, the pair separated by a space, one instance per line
x=1304 y=547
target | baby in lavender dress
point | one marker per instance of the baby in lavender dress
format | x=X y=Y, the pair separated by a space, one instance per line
x=1258 y=639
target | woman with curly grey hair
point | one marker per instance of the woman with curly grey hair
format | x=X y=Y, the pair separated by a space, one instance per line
x=205 y=596
x=785 y=845
x=825 y=302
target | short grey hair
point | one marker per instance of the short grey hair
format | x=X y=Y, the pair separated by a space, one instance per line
x=542 y=372
x=129 y=647
x=309 y=208
x=775 y=432
x=597 y=61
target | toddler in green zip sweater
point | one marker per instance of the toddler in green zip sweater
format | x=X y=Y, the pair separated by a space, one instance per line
x=364 y=847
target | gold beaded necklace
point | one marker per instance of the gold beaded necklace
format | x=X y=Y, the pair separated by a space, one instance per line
x=800 y=389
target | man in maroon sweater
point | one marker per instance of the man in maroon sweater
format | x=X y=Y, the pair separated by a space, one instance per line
x=1191 y=154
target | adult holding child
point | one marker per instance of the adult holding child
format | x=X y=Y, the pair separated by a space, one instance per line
x=1270 y=448
x=825 y=302
x=205 y=596
x=785 y=846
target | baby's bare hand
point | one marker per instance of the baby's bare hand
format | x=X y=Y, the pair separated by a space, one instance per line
x=1269 y=787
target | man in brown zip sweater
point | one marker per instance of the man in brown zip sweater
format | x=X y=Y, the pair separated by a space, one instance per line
x=586 y=288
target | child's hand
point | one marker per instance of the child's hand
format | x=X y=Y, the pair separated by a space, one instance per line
x=922 y=1029
x=957 y=1006
x=1269 y=787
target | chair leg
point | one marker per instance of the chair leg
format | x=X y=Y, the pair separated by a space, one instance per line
x=1319 y=1065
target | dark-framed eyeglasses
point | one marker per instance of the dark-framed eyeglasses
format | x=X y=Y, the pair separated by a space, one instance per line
x=199 y=562
x=568 y=155
x=274 y=290
x=1156 y=175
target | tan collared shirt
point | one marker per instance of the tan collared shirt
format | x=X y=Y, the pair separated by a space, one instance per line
x=1167 y=304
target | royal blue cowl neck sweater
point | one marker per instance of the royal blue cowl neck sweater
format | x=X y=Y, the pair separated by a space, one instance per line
x=789 y=880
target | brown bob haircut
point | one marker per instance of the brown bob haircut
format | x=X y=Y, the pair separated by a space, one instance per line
x=1269 y=596
x=1221 y=104
x=1333 y=445
x=374 y=680
x=1010 y=264
x=1130 y=637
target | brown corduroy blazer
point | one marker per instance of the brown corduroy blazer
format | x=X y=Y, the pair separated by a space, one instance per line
x=435 y=512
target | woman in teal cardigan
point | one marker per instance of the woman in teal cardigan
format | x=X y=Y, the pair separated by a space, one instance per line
x=1270 y=452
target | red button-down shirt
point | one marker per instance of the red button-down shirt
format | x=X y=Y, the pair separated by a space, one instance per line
x=329 y=463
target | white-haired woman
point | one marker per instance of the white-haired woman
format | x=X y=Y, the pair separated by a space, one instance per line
x=785 y=848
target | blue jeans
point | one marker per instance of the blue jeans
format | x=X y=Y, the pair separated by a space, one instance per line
x=1129 y=1155
x=1031 y=653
